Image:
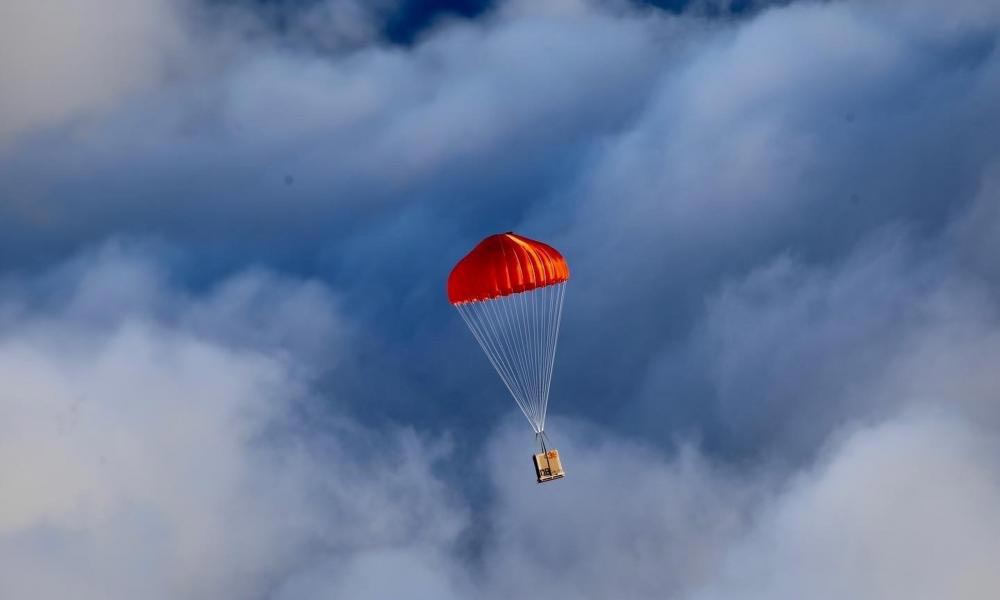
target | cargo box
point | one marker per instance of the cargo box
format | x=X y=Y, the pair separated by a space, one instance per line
x=548 y=466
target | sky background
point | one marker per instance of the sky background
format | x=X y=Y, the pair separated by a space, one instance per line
x=229 y=369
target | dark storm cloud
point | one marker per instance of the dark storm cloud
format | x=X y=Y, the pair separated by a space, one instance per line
x=783 y=313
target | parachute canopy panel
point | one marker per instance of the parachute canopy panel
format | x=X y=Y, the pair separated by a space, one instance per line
x=505 y=264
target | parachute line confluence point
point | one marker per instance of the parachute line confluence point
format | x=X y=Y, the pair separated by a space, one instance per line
x=510 y=292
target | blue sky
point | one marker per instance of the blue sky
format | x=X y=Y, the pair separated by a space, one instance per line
x=230 y=369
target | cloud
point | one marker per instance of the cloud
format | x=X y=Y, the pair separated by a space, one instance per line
x=904 y=508
x=146 y=452
x=788 y=353
x=62 y=60
x=807 y=128
x=230 y=371
x=154 y=453
x=901 y=510
x=675 y=155
x=672 y=156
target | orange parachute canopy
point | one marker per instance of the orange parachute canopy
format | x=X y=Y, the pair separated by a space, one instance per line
x=505 y=264
x=510 y=292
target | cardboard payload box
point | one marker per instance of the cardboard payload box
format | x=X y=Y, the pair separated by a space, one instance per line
x=548 y=466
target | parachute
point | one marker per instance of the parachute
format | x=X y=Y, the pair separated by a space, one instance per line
x=510 y=290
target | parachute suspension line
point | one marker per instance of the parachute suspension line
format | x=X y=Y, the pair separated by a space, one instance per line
x=520 y=304
x=541 y=438
x=543 y=441
x=518 y=334
x=514 y=318
x=530 y=327
x=536 y=344
x=531 y=343
x=498 y=341
x=505 y=307
x=560 y=293
x=546 y=331
x=541 y=347
x=499 y=359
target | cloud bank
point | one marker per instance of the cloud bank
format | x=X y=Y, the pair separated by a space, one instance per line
x=146 y=454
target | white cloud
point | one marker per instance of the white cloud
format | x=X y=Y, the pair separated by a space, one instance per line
x=64 y=59
x=147 y=449
x=156 y=454
x=906 y=508
x=903 y=510
x=161 y=442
